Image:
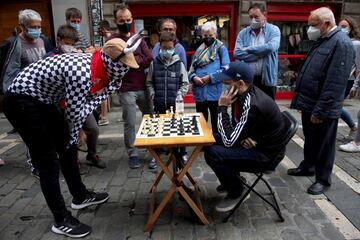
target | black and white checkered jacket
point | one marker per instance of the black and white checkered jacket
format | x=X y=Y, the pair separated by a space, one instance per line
x=67 y=76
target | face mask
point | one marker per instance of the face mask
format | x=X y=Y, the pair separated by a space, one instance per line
x=33 y=33
x=346 y=30
x=166 y=54
x=67 y=49
x=75 y=26
x=208 y=40
x=124 y=28
x=313 y=33
x=254 y=24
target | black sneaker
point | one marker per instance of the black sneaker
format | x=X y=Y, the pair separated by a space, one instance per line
x=91 y=198
x=71 y=227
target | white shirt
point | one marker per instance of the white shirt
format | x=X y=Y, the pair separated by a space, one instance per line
x=257 y=40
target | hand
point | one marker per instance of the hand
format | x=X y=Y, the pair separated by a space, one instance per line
x=315 y=120
x=244 y=49
x=352 y=93
x=198 y=81
x=248 y=143
x=90 y=49
x=228 y=97
x=205 y=79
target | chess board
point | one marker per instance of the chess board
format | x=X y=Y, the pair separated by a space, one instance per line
x=167 y=126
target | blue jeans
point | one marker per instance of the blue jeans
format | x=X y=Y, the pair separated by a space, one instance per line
x=345 y=115
x=129 y=101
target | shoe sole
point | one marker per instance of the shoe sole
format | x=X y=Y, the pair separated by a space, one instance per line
x=349 y=151
x=60 y=232
x=229 y=208
x=84 y=205
x=103 y=124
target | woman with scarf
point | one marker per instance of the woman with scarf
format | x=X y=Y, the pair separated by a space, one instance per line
x=31 y=105
x=209 y=59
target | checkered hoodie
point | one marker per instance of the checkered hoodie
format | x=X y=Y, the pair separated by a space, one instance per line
x=68 y=76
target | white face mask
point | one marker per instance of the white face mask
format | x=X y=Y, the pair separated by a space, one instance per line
x=313 y=33
x=67 y=49
x=254 y=24
x=346 y=30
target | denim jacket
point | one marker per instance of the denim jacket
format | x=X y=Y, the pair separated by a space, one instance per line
x=268 y=51
x=212 y=90
x=323 y=77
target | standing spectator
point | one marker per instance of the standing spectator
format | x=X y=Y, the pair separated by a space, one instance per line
x=350 y=27
x=132 y=91
x=105 y=33
x=169 y=25
x=90 y=128
x=319 y=94
x=167 y=78
x=210 y=57
x=73 y=18
x=17 y=52
x=258 y=45
x=31 y=105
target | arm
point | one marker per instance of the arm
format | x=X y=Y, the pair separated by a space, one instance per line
x=339 y=68
x=239 y=52
x=225 y=61
x=272 y=44
x=149 y=82
x=184 y=81
x=228 y=133
x=181 y=52
x=143 y=55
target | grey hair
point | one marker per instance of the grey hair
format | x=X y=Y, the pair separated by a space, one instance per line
x=28 y=14
x=209 y=26
x=325 y=15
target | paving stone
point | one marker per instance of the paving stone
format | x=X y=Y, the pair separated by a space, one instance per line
x=5 y=219
x=35 y=229
x=206 y=232
x=291 y=234
x=32 y=191
x=19 y=205
x=330 y=232
x=161 y=235
x=10 y=198
x=210 y=177
x=132 y=184
x=6 y=189
x=226 y=231
x=114 y=193
x=304 y=224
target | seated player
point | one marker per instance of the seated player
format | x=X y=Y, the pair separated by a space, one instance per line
x=167 y=78
x=31 y=105
x=250 y=139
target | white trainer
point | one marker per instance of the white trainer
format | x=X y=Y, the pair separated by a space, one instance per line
x=350 y=147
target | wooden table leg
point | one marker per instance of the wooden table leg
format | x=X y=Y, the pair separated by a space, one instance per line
x=155 y=215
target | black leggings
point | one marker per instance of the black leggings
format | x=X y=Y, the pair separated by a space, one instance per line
x=211 y=106
x=46 y=134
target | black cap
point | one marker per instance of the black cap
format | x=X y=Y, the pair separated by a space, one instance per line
x=237 y=71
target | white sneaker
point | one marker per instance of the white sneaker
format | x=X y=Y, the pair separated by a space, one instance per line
x=227 y=204
x=103 y=122
x=350 y=147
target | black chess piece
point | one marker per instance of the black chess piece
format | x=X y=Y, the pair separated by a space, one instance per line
x=193 y=121
x=157 y=114
x=151 y=115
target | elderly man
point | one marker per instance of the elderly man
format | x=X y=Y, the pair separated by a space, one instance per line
x=258 y=45
x=132 y=92
x=169 y=25
x=17 y=52
x=319 y=94
x=31 y=105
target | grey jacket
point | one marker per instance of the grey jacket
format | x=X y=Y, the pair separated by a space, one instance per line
x=10 y=59
x=323 y=77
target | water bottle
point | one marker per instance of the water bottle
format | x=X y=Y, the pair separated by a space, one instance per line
x=179 y=107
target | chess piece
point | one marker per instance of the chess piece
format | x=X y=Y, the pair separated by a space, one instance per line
x=171 y=110
x=158 y=114
x=151 y=131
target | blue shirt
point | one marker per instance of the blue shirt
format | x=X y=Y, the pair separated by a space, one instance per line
x=179 y=50
x=268 y=51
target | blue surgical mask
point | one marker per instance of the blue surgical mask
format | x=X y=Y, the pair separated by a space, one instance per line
x=345 y=30
x=75 y=26
x=33 y=33
x=166 y=54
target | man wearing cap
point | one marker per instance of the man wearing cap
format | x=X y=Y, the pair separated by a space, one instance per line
x=249 y=139
x=30 y=104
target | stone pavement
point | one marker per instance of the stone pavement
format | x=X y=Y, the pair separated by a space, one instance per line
x=24 y=214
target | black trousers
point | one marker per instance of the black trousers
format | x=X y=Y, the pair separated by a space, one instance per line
x=269 y=90
x=319 y=147
x=204 y=108
x=46 y=134
x=227 y=163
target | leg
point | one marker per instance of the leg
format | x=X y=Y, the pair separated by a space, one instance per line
x=213 y=106
x=91 y=130
x=128 y=103
x=269 y=90
x=346 y=117
x=202 y=107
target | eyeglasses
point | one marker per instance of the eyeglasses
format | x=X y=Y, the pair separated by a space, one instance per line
x=168 y=30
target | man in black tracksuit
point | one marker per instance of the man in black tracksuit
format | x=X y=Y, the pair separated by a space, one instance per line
x=249 y=141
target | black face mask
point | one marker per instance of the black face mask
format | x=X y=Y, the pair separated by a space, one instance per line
x=124 y=28
x=208 y=41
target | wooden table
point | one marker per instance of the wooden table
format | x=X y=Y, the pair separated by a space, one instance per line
x=151 y=143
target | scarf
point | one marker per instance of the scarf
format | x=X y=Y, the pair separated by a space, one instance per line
x=204 y=55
